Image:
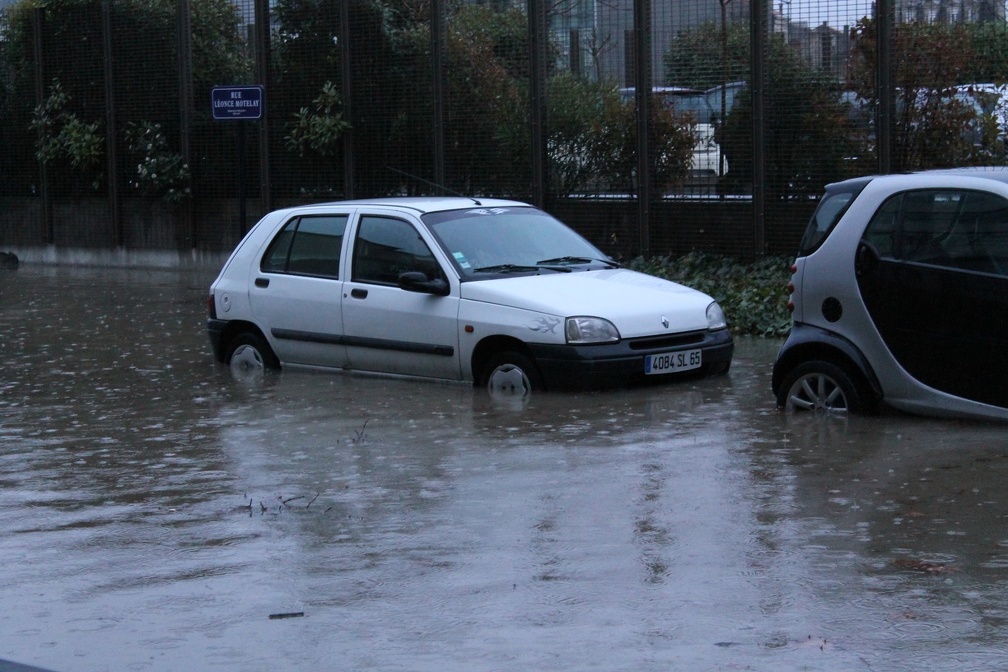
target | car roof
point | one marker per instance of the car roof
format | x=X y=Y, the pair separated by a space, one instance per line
x=420 y=204
x=665 y=92
x=995 y=173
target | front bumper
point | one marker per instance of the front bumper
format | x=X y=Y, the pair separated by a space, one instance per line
x=622 y=364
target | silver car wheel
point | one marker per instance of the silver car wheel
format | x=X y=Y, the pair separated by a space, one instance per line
x=817 y=391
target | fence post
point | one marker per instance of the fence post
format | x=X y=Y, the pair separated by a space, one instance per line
x=185 y=235
x=38 y=25
x=118 y=235
x=538 y=44
x=437 y=64
x=883 y=72
x=346 y=88
x=262 y=69
x=642 y=96
x=758 y=39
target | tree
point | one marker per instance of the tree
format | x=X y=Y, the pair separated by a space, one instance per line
x=809 y=138
x=307 y=54
x=988 y=54
x=485 y=105
x=935 y=126
x=593 y=139
x=70 y=147
x=697 y=60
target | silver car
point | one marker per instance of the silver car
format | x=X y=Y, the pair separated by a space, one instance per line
x=900 y=298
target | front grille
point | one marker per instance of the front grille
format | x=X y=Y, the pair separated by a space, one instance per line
x=670 y=341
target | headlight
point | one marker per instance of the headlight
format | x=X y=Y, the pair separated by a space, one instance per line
x=715 y=317
x=590 y=330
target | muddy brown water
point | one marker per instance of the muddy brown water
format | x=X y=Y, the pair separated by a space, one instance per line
x=159 y=515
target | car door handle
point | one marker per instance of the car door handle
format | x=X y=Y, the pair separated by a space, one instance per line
x=358 y=293
x=262 y=282
x=866 y=259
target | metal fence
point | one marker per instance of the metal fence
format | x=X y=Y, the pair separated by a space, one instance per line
x=653 y=126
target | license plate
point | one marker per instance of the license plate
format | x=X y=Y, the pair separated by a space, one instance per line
x=673 y=362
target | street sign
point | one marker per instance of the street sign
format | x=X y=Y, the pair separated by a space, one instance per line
x=237 y=103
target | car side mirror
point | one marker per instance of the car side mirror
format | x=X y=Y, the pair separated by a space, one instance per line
x=415 y=281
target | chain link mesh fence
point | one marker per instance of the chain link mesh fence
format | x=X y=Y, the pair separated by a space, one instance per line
x=653 y=126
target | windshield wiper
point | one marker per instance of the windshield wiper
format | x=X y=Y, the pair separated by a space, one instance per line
x=506 y=268
x=578 y=260
x=520 y=268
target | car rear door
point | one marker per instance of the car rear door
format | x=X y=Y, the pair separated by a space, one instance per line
x=393 y=330
x=932 y=270
x=296 y=290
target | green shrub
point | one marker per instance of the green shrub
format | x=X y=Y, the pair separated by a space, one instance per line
x=753 y=296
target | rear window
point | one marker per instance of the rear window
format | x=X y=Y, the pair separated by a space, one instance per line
x=831 y=208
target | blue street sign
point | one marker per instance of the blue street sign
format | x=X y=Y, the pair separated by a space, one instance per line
x=237 y=103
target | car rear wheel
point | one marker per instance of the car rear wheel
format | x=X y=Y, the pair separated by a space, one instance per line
x=250 y=356
x=820 y=386
x=511 y=374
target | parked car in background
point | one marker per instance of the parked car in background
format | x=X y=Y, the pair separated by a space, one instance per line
x=493 y=292
x=900 y=298
x=706 y=162
x=990 y=102
x=728 y=92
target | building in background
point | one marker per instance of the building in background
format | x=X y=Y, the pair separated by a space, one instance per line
x=950 y=11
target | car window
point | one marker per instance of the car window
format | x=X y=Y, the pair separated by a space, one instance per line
x=275 y=259
x=881 y=231
x=960 y=229
x=831 y=208
x=386 y=248
x=307 y=246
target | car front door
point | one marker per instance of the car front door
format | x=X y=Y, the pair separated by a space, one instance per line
x=932 y=269
x=296 y=291
x=390 y=329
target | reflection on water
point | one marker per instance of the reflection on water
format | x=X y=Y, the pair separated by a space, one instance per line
x=157 y=513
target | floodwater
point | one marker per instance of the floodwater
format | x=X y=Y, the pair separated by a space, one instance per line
x=156 y=514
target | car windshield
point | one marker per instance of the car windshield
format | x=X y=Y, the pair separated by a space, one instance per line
x=487 y=241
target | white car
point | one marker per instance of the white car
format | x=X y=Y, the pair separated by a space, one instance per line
x=489 y=291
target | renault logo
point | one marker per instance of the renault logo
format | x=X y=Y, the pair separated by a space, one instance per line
x=664 y=321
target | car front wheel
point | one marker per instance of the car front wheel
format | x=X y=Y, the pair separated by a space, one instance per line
x=820 y=386
x=511 y=373
x=250 y=356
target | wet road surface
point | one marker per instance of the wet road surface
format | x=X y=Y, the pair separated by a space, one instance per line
x=159 y=515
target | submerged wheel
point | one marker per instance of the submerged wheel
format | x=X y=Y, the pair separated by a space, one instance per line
x=820 y=386
x=511 y=373
x=250 y=356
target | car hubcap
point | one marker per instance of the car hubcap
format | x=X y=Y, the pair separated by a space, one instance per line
x=817 y=392
x=509 y=380
x=247 y=362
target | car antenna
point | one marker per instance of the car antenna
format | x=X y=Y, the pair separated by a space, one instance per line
x=433 y=184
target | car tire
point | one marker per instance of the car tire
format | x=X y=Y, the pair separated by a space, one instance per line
x=510 y=373
x=820 y=386
x=250 y=356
